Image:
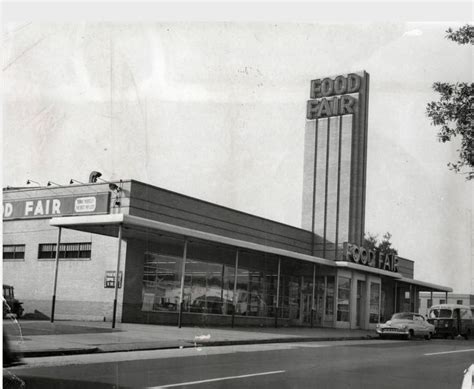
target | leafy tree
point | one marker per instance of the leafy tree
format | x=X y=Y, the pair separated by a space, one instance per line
x=383 y=247
x=453 y=111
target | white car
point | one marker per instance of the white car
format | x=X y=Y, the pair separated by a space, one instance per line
x=407 y=325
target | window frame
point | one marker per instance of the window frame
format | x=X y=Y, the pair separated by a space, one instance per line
x=18 y=255
x=74 y=251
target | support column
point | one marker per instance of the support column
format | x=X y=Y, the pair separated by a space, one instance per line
x=395 y=299
x=431 y=297
x=117 y=274
x=277 y=309
x=234 y=298
x=313 y=295
x=55 y=283
x=446 y=297
x=183 y=270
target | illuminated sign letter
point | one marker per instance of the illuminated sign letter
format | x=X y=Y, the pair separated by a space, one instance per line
x=7 y=210
x=340 y=85
x=56 y=208
x=353 y=83
x=347 y=104
x=28 y=207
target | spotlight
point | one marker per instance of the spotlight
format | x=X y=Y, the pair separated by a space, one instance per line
x=94 y=176
x=52 y=183
x=28 y=182
x=114 y=187
x=72 y=181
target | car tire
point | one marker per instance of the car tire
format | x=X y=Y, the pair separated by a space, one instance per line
x=467 y=334
x=428 y=336
x=410 y=335
x=454 y=333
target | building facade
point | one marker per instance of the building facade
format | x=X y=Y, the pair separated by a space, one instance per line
x=134 y=252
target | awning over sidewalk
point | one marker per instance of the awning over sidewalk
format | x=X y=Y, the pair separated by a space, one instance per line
x=134 y=227
x=425 y=286
x=140 y=228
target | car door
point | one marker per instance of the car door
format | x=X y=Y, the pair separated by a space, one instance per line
x=420 y=325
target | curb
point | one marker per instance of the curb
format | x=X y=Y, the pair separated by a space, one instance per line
x=189 y=344
x=58 y=352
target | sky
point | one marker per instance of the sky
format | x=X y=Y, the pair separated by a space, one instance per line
x=216 y=110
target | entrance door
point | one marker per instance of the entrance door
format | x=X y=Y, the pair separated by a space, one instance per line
x=319 y=299
x=360 y=304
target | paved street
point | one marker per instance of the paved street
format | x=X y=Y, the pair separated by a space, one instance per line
x=337 y=364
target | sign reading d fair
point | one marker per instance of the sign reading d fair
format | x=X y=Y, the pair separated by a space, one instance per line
x=42 y=207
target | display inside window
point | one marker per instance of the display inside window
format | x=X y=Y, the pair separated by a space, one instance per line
x=374 y=307
x=343 y=298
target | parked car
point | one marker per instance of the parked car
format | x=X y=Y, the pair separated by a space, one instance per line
x=406 y=325
x=10 y=304
x=451 y=320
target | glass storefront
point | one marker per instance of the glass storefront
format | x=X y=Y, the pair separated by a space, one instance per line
x=374 y=307
x=343 y=298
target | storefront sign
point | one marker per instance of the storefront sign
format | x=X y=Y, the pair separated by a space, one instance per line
x=56 y=206
x=332 y=97
x=363 y=256
x=109 y=279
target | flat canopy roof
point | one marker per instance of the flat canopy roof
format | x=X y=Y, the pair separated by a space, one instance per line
x=140 y=228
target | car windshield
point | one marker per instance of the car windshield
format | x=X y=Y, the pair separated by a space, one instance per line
x=402 y=316
x=440 y=313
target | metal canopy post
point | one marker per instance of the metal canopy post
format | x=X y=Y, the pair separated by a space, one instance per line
x=117 y=275
x=312 y=295
x=55 y=283
x=395 y=299
x=431 y=297
x=234 y=297
x=278 y=293
x=181 y=298
x=446 y=298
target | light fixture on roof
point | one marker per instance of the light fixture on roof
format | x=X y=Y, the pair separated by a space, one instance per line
x=28 y=182
x=52 y=183
x=94 y=176
x=113 y=187
x=72 y=181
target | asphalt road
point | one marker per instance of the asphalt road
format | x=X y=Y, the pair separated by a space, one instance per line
x=349 y=364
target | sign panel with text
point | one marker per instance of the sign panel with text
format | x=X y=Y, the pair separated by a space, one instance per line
x=43 y=207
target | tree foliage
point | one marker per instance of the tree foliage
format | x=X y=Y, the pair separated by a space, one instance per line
x=453 y=111
x=383 y=247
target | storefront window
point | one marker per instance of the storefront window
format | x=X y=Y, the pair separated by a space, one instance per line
x=162 y=277
x=343 y=298
x=329 y=297
x=374 y=308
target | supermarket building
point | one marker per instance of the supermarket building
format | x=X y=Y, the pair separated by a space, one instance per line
x=182 y=260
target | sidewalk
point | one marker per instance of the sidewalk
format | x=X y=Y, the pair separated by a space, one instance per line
x=42 y=338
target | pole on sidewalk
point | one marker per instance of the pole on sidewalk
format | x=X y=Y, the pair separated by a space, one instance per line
x=117 y=275
x=278 y=294
x=183 y=270
x=234 y=299
x=55 y=283
x=313 y=295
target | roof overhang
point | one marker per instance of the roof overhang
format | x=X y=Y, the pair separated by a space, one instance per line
x=429 y=286
x=139 y=228
x=367 y=269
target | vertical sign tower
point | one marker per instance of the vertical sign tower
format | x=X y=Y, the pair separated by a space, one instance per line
x=335 y=162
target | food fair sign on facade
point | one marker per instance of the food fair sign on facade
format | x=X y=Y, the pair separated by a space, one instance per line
x=363 y=256
x=56 y=206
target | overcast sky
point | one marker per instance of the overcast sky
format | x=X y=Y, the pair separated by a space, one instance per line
x=217 y=111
